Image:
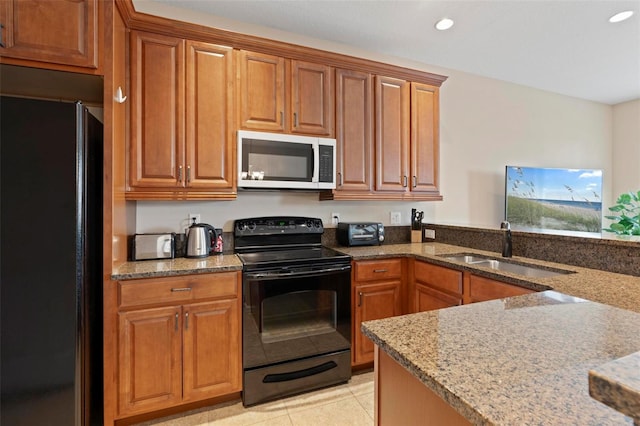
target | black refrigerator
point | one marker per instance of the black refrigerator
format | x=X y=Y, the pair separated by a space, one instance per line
x=50 y=263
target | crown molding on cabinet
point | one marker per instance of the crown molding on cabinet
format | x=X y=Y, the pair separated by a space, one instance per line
x=145 y=22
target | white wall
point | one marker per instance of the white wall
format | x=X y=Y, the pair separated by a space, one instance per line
x=626 y=147
x=485 y=124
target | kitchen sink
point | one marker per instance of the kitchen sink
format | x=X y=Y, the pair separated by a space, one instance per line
x=506 y=266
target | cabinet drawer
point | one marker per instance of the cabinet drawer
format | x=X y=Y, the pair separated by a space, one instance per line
x=154 y=291
x=378 y=269
x=439 y=277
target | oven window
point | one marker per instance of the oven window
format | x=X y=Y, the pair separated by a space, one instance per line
x=297 y=314
x=277 y=161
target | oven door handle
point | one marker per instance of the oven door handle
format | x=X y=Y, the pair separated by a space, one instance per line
x=294 y=273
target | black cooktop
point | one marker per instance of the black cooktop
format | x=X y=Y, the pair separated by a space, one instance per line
x=298 y=256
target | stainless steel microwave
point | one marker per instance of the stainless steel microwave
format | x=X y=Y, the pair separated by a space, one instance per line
x=284 y=161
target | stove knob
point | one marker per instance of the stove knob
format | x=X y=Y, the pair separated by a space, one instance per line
x=241 y=226
x=318 y=223
x=309 y=224
x=251 y=226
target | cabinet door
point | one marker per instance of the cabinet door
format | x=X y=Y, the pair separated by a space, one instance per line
x=150 y=348
x=424 y=138
x=62 y=31
x=262 y=91
x=373 y=301
x=212 y=363
x=311 y=98
x=482 y=289
x=157 y=97
x=210 y=130
x=354 y=131
x=392 y=134
x=427 y=298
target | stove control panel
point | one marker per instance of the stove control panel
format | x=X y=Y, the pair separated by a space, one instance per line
x=276 y=225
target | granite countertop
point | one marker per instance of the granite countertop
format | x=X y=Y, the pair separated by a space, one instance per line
x=521 y=360
x=177 y=266
x=617 y=384
x=619 y=290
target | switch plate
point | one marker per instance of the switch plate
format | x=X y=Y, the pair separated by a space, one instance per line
x=430 y=234
x=395 y=218
x=335 y=218
x=195 y=216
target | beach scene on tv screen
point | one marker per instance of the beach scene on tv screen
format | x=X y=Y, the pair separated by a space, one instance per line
x=554 y=199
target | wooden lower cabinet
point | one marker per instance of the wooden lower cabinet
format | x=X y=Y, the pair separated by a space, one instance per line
x=434 y=287
x=480 y=289
x=181 y=353
x=150 y=343
x=377 y=294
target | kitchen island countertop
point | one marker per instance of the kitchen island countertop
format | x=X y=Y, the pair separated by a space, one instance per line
x=521 y=360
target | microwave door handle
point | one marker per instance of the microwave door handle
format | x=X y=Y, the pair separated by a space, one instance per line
x=316 y=162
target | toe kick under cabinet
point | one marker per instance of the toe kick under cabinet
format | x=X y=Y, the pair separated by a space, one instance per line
x=178 y=341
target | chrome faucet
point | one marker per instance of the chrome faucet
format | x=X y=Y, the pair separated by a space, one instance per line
x=506 y=240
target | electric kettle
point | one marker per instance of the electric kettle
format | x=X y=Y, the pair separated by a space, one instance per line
x=201 y=240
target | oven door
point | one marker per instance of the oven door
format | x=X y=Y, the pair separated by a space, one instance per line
x=295 y=313
x=296 y=329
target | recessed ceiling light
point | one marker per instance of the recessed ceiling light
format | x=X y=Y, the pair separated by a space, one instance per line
x=619 y=17
x=444 y=24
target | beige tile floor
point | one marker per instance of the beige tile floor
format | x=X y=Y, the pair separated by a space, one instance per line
x=348 y=404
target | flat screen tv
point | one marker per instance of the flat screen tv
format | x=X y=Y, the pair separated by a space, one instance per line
x=554 y=200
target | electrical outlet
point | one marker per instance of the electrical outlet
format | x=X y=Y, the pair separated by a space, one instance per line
x=396 y=218
x=430 y=234
x=335 y=218
x=195 y=216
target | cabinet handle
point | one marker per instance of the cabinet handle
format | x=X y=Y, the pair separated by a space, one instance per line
x=181 y=289
x=415 y=181
x=295 y=119
x=404 y=181
x=188 y=174
x=175 y=328
x=339 y=179
x=179 y=173
x=281 y=117
x=359 y=298
x=186 y=321
x=1 y=41
x=379 y=270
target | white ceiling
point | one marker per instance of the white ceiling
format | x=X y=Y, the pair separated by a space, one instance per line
x=562 y=46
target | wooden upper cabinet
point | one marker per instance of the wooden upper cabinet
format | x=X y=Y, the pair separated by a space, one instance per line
x=157 y=104
x=311 y=98
x=60 y=32
x=210 y=116
x=354 y=131
x=392 y=134
x=281 y=95
x=182 y=119
x=262 y=91
x=424 y=138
